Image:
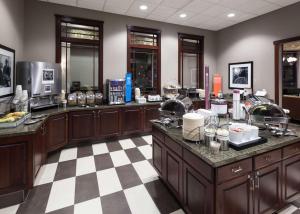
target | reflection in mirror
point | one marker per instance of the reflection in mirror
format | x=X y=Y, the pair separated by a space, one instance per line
x=290 y=68
x=189 y=70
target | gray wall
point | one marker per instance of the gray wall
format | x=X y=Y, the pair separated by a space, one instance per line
x=12 y=30
x=253 y=41
x=40 y=38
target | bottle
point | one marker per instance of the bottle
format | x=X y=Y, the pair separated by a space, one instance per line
x=236 y=105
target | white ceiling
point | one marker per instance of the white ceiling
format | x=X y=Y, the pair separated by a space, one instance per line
x=206 y=14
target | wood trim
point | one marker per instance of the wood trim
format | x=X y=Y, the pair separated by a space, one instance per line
x=292 y=39
x=99 y=43
x=157 y=48
x=276 y=60
x=200 y=61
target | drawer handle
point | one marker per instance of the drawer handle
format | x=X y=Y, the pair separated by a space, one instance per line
x=237 y=170
x=268 y=158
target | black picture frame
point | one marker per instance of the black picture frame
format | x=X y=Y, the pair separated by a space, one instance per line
x=245 y=81
x=8 y=61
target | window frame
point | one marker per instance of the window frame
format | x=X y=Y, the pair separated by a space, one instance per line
x=98 y=43
x=200 y=56
x=146 y=47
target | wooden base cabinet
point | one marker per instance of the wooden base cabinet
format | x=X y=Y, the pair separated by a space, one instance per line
x=150 y=113
x=132 y=120
x=39 y=149
x=109 y=123
x=291 y=178
x=158 y=152
x=56 y=131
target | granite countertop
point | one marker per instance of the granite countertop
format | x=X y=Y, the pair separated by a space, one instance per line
x=31 y=129
x=230 y=156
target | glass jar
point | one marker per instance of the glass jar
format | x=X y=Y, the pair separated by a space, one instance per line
x=90 y=98
x=98 y=98
x=72 y=99
x=210 y=130
x=81 y=99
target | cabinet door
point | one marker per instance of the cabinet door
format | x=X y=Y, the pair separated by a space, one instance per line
x=56 y=131
x=109 y=123
x=13 y=167
x=82 y=126
x=39 y=149
x=267 y=197
x=158 y=156
x=197 y=192
x=150 y=113
x=131 y=120
x=236 y=196
x=174 y=173
x=291 y=178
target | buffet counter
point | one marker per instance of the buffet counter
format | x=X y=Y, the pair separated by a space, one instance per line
x=231 y=181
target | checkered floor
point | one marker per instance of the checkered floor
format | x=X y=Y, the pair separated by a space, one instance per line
x=109 y=178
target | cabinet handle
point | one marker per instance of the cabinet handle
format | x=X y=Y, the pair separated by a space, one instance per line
x=257 y=180
x=237 y=170
x=251 y=180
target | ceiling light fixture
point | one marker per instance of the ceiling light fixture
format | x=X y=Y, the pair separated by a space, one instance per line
x=182 y=15
x=231 y=15
x=143 y=7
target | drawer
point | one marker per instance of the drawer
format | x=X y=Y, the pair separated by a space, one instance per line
x=291 y=150
x=267 y=159
x=158 y=134
x=234 y=170
x=174 y=146
x=199 y=165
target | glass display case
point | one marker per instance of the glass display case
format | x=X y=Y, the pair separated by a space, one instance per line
x=116 y=91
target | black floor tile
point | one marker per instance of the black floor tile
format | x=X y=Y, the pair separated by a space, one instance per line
x=113 y=146
x=115 y=203
x=161 y=196
x=128 y=176
x=36 y=201
x=138 y=141
x=297 y=203
x=84 y=151
x=66 y=210
x=53 y=157
x=296 y=212
x=65 y=170
x=103 y=161
x=134 y=155
x=86 y=187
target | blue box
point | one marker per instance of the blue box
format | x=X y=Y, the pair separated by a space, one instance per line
x=128 y=86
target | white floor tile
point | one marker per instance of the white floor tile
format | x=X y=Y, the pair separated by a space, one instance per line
x=68 y=154
x=62 y=194
x=91 y=207
x=46 y=174
x=10 y=210
x=145 y=170
x=140 y=201
x=119 y=158
x=108 y=181
x=85 y=165
x=148 y=139
x=180 y=211
x=127 y=144
x=146 y=151
x=100 y=148
x=289 y=210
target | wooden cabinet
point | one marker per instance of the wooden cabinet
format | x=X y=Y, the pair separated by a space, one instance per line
x=291 y=178
x=109 y=123
x=197 y=192
x=132 y=120
x=236 y=195
x=39 y=149
x=267 y=198
x=158 y=156
x=82 y=126
x=173 y=175
x=150 y=113
x=56 y=131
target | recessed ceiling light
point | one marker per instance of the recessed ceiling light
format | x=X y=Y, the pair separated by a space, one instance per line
x=231 y=15
x=143 y=7
x=182 y=15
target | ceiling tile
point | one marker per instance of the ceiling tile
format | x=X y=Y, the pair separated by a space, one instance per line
x=258 y=7
x=65 y=2
x=175 y=3
x=134 y=9
x=163 y=12
x=117 y=6
x=177 y=20
x=91 y=4
x=217 y=10
x=197 y=6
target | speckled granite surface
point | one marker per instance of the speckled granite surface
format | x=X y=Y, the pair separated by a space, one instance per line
x=30 y=129
x=230 y=156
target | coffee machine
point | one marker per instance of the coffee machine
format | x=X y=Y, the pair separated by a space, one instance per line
x=42 y=80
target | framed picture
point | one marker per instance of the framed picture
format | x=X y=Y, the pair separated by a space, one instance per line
x=7 y=71
x=240 y=75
